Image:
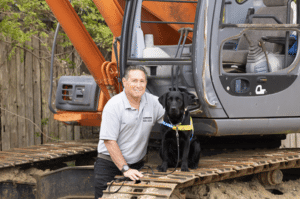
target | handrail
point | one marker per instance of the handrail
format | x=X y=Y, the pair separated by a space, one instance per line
x=173 y=1
x=167 y=22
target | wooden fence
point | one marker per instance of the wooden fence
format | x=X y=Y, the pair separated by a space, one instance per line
x=292 y=141
x=24 y=89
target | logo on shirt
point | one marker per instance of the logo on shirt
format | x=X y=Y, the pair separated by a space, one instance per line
x=147 y=119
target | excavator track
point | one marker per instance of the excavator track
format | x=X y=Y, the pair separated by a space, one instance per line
x=46 y=153
x=78 y=182
x=267 y=163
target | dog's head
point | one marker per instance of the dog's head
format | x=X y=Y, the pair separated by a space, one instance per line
x=175 y=102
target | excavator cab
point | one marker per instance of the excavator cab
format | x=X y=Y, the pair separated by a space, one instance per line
x=239 y=58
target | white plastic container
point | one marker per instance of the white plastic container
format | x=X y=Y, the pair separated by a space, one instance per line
x=274 y=63
x=152 y=51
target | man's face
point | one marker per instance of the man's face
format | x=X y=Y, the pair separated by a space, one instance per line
x=136 y=84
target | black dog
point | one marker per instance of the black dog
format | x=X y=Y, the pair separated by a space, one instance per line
x=175 y=103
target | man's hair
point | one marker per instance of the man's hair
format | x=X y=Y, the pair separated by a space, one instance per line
x=130 y=68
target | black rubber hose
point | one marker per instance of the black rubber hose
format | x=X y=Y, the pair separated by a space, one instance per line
x=115 y=45
x=51 y=69
x=124 y=36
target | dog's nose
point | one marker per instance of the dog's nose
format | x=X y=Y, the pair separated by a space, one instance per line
x=173 y=108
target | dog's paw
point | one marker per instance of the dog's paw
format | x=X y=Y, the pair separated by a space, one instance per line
x=194 y=166
x=158 y=168
x=185 y=168
x=161 y=168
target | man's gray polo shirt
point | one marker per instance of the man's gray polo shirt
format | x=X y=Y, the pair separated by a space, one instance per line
x=128 y=126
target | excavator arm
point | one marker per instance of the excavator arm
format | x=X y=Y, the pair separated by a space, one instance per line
x=102 y=71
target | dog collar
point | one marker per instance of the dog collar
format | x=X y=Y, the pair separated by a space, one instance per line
x=181 y=127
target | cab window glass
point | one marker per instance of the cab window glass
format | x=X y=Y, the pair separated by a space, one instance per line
x=259 y=51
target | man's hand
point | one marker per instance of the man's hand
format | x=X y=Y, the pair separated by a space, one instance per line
x=133 y=174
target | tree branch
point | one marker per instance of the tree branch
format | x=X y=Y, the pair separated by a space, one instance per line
x=27 y=51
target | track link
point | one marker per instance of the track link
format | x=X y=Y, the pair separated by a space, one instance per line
x=45 y=153
x=211 y=169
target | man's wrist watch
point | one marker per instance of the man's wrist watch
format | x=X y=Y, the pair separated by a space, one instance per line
x=125 y=168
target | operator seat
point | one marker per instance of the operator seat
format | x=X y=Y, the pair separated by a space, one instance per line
x=277 y=8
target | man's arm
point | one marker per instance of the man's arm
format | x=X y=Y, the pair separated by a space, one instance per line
x=160 y=111
x=117 y=157
x=115 y=153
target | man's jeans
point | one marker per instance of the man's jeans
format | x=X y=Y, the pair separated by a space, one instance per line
x=105 y=171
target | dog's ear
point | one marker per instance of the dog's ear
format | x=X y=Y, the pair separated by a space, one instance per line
x=187 y=99
x=163 y=99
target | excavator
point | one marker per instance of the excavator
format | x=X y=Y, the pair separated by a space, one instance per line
x=242 y=74
x=239 y=60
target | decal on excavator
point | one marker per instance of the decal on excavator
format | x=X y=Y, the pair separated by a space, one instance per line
x=259 y=90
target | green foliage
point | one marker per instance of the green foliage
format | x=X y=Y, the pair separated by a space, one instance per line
x=22 y=19
x=44 y=121
x=37 y=134
x=53 y=137
x=71 y=164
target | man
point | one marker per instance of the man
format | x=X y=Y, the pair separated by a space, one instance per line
x=127 y=120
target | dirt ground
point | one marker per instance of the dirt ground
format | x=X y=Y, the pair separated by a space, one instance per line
x=245 y=189
x=20 y=175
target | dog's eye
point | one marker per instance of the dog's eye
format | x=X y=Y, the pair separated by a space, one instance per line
x=179 y=100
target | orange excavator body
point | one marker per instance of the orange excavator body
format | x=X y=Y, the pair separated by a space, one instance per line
x=105 y=73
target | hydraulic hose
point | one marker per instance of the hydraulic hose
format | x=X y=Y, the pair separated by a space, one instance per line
x=124 y=35
x=51 y=69
x=115 y=45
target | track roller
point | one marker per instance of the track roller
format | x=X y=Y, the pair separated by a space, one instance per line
x=273 y=177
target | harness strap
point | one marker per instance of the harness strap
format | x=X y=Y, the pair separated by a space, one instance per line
x=181 y=127
x=191 y=123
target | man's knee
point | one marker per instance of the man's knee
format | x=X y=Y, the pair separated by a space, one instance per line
x=99 y=188
x=104 y=172
x=100 y=184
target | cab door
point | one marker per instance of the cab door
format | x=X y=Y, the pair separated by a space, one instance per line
x=258 y=94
